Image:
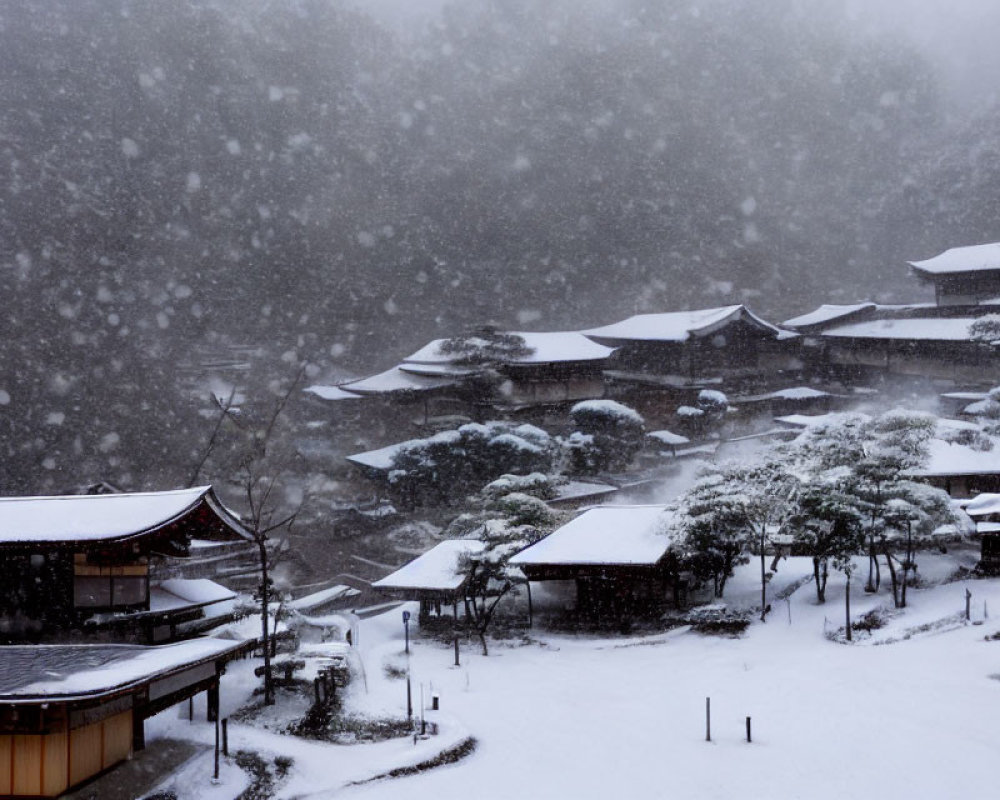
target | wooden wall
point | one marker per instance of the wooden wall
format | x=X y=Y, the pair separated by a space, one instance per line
x=46 y=765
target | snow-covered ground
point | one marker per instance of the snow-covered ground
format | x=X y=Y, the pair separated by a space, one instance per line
x=909 y=711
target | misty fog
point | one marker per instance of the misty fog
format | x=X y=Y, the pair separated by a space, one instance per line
x=237 y=190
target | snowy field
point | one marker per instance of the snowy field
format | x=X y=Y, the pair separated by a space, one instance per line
x=909 y=711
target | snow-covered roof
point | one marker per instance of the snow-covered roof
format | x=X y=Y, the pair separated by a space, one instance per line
x=667 y=437
x=580 y=490
x=71 y=671
x=435 y=570
x=946 y=458
x=381 y=458
x=545 y=347
x=983 y=505
x=331 y=392
x=316 y=599
x=677 y=326
x=808 y=420
x=826 y=313
x=973 y=258
x=943 y=329
x=396 y=380
x=620 y=535
x=74 y=518
x=184 y=592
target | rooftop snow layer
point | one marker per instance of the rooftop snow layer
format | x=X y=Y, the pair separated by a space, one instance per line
x=395 y=380
x=973 y=258
x=435 y=570
x=33 y=672
x=69 y=518
x=331 y=392
x=667 y=437
x=676 y=326
x=383 y=457
x=196 y=591
x=953 y=329
x=604 y=535
x=983 y=505
x=825 y=313
x=956 y=459
x=545 y=346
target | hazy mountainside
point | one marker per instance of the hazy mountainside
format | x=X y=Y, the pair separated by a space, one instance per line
x=181 y=178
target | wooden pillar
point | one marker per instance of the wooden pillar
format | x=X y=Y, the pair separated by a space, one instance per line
x=138 y=731
x=212 y=705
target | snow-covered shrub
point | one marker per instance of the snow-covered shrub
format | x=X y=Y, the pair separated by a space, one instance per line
x=536 y=484
x=523 y=509
x=608 y=435
x=453 y=463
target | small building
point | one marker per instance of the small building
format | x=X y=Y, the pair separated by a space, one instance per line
x=984 y=510
x=69 y=712
x=689 y=344
x=963 y=275
x=619 y=558
x=88 y=562
x=437 y=578
x=961 y=470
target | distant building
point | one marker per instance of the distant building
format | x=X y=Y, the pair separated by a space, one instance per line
x=963 y=276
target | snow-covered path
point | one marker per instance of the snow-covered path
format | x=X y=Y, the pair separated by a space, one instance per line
x=585 y=717
x=590 y=719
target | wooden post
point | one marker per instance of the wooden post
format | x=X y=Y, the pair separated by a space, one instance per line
x=456 y=651
x=191 y=709
x=968 y=604
x=212 y=702
x=216 y=775
x=225 y=737
x=708 y=719
x=409 y=698
x=748 y=730
x=847 y=605
x=530 y=608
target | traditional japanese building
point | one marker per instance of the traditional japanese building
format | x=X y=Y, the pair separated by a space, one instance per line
x=618 y=556
x=437 y=578
x=69 y=712
x=89 y=563
x=963 y=276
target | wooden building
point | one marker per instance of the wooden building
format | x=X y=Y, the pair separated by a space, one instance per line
x=984 y=510
x=89 y=562
x=868 y=342
x=963 y=276
x=438 y=578
x=70 y=712
x=690 y=344
x=506 y=370
x=619 y=557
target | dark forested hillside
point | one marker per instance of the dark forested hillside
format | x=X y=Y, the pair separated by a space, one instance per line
x=291 y=177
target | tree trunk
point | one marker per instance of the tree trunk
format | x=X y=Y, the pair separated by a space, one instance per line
x=264 y=621
x=482 y=639
x=820 y=580
x=763 y=583
x=894 y=579
x=847 y=607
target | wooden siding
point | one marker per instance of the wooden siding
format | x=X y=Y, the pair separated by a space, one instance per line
x=34 y=765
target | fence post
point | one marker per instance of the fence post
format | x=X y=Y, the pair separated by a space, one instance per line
x=748 y=730
x=456 y=652
x=708 y=719
x=968 y=604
